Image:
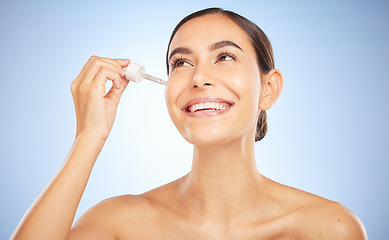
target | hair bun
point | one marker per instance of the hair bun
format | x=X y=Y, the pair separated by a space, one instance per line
x=261 y=126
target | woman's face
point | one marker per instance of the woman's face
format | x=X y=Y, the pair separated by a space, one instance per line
x=214 y=82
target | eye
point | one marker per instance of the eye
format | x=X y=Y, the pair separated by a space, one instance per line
x=225 y=56
x=179 y=62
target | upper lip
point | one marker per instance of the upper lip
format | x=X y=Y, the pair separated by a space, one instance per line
x=204 y=100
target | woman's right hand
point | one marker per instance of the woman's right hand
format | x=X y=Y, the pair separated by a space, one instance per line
x=96 y=110
x=56 y=206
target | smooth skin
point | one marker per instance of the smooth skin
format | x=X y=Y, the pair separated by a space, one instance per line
x=224 y=196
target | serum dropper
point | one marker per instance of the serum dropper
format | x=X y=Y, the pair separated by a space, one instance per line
x=136 y=73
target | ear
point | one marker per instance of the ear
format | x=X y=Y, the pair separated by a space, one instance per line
x=272 y=85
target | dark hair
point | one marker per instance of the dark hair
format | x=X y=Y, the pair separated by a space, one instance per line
x=259 y=41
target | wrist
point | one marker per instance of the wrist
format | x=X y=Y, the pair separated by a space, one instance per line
x=87 y=147
x=90 y=138
x=92 y=135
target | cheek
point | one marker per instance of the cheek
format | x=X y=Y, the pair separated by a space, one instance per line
x=246 y=84
x=170 y=97
x=178 y=82
x=173 y=91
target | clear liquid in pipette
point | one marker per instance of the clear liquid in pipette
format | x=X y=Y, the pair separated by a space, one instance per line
x=153 y=79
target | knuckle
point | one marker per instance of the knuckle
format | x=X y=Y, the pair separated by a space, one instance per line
x=95 y=60
x=73 y=86
x=98 y=62
x=104 y=72
x=116 y=64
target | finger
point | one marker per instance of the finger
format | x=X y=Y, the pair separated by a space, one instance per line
x=123 y=62
x=104 y=75
x=119 y=63
x=115 y=63
x=85 y=69
x=96 y=67
x=115 y=94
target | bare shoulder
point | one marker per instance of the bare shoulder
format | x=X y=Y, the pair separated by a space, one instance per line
x=314 y=217
x=123 y=217
x=321 y=218
x=331 y=220
x=108 y=219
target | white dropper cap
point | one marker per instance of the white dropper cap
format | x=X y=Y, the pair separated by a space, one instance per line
x=136 y=73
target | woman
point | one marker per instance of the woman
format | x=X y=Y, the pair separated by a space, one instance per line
x=221 y=81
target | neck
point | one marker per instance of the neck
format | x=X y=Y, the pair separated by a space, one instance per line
x=224 y=181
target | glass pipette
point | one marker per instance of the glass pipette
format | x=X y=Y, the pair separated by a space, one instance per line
x=136 y=73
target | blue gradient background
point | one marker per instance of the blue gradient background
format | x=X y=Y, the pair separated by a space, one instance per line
x=327 y=132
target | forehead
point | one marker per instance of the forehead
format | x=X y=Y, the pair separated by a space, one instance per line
x=208 y=29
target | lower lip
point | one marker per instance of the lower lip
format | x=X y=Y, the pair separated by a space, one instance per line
x=207 y=113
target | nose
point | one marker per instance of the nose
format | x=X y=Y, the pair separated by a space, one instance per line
x=202 y=78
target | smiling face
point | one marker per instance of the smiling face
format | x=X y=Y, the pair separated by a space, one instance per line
x=214 y=82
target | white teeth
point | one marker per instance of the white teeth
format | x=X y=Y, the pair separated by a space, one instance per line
x=210 y=106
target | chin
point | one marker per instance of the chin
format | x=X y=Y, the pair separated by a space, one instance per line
x=208 y=137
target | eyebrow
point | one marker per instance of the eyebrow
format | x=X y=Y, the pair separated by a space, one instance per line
x=224 y=43
x=180 y=50
x=213 y=47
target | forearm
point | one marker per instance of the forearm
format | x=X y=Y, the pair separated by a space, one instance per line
x=52 y=213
